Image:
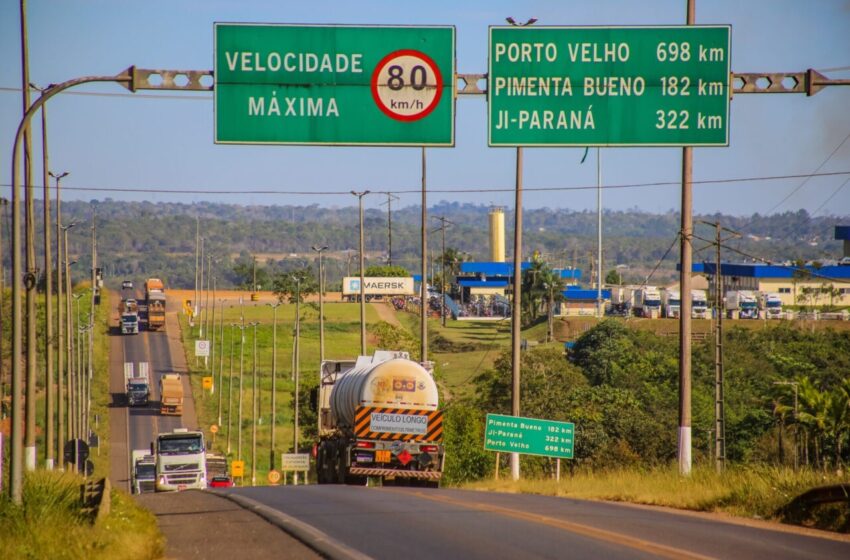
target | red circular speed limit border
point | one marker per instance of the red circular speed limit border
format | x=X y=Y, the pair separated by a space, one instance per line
x=431 y=65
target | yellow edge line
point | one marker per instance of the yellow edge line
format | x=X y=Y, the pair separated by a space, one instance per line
x=599 y=534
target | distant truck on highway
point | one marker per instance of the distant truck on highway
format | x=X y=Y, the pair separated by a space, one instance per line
x=129 y=310
x=671 y=303
x=378 y=417
x=142 y=471
x=699 y=304
x=647 y=302
x=742 y=304
x=171 y=394
x=155 y=296
x=622 y=299
x=137 y=383
x=180 y=460
x=771 y=305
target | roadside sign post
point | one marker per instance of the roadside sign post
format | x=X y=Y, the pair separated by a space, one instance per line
x=334 y=85
x=529 y=436
x=202 y=350
x=609 y=86
x=294 y=463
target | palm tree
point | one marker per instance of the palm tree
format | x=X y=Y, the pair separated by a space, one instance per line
x=813 y=414
x=553 y=285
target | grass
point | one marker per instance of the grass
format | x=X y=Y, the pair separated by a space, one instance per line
x=754 y=492
x=51 y=524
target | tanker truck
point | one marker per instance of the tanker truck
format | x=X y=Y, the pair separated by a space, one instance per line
x=378 y=418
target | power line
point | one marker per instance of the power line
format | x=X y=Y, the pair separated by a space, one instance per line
x=448 y=190
x=835 y=192
x=182 y=97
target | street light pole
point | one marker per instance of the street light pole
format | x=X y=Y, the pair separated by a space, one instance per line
x=360 y=196
x=255 y=408
x=297 y=368
x=230 y=390
x=241 y=372
x=272 y=452
x=220 y=358
x=60 y=326
x=320 y=250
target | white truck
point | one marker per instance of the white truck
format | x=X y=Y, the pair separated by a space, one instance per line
x=771 y=305
x=671 y=303
x=379 y=417
x=142 y=471
x=742 y=304
x=181 y=461
x=137 y=383
x=130 y=322
x=699 y=304
x=648 y=302
x=622 y=299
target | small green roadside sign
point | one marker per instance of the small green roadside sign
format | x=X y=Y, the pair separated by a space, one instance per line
x=530 y=436
x=609 y=86
x=334 y=85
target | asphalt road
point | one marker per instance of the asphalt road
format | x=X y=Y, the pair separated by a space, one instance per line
x=413 y=523
x=137 y=427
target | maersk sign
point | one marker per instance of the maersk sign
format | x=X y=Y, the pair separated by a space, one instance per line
x=334 y=85
x=374 y=286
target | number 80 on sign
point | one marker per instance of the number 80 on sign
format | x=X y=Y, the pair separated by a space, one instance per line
x=407 y=85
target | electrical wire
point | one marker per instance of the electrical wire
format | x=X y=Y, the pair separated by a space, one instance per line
x=448 y=190
x=661 y=260
x=825 y=202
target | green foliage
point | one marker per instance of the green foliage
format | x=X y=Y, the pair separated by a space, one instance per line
x=463 y=434
x=390 y=337
x=613 y=277
x=386 y=271
x=51 y=523
x=295 y=285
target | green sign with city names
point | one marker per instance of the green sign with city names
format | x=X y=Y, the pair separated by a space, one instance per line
x=609 y=86
x=334 y=85
x=514 y=434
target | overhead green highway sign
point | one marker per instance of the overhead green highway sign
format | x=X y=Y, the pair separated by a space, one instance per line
x=515 y=434
x=334 y=85
x=609 y=86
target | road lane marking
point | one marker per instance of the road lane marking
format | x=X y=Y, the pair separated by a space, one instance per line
x=661 y=550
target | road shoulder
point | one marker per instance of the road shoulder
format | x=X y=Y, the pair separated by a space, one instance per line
x=200 y=525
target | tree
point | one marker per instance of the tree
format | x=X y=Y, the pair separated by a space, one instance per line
x=614 y=278
x=298 y=283
x=386 y=271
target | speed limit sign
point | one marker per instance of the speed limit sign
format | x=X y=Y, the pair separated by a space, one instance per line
x=407 y=85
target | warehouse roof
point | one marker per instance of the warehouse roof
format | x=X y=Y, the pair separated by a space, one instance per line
x=772 y=270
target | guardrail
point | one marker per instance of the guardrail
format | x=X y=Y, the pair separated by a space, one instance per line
x=798 y=508
x=95 y=496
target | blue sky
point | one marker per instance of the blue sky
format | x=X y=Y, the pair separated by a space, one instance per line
x=126 y=142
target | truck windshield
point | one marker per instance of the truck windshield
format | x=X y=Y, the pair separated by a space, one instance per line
x=129 y=318
x=138 y=387
x=748 y=305
x=674 y=302
x=189 y=444
x=146 y=471
x=652 y=302
x=774 y=304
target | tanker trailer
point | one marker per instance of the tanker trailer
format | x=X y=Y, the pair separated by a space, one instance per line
x=378 y=418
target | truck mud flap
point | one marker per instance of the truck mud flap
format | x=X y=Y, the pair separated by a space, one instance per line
x=392 y=473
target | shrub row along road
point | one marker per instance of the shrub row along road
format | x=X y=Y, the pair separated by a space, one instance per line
x=414 y=523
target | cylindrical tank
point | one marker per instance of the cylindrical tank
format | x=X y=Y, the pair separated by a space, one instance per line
x=497 y=235
x=397 y=383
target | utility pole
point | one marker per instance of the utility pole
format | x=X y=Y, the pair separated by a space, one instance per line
x=212 y=332
x=390 y=198
x=220 y=358
x=93 y=300
x=3 y=204
x=272 y=451
x=719 y=397
x=61 y=436
x=423 y=285
x=360 y=196
x=444 y=222
x=241 y=372
x=297 y=358
x=197 y=256
x=201 y=310
x=230 y=390
x=599 y=302
x=255 y=412
x=687 y=228
x=320 y=250
x=50 y=395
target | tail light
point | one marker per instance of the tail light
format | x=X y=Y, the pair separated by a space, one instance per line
x=365 y=445
x=429 y=448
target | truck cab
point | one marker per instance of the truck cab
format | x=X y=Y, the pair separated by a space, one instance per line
x=129 y=323
x=142 y=471
x=180 y=460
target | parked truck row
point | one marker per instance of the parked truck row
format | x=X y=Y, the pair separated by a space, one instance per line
x=651 y=302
